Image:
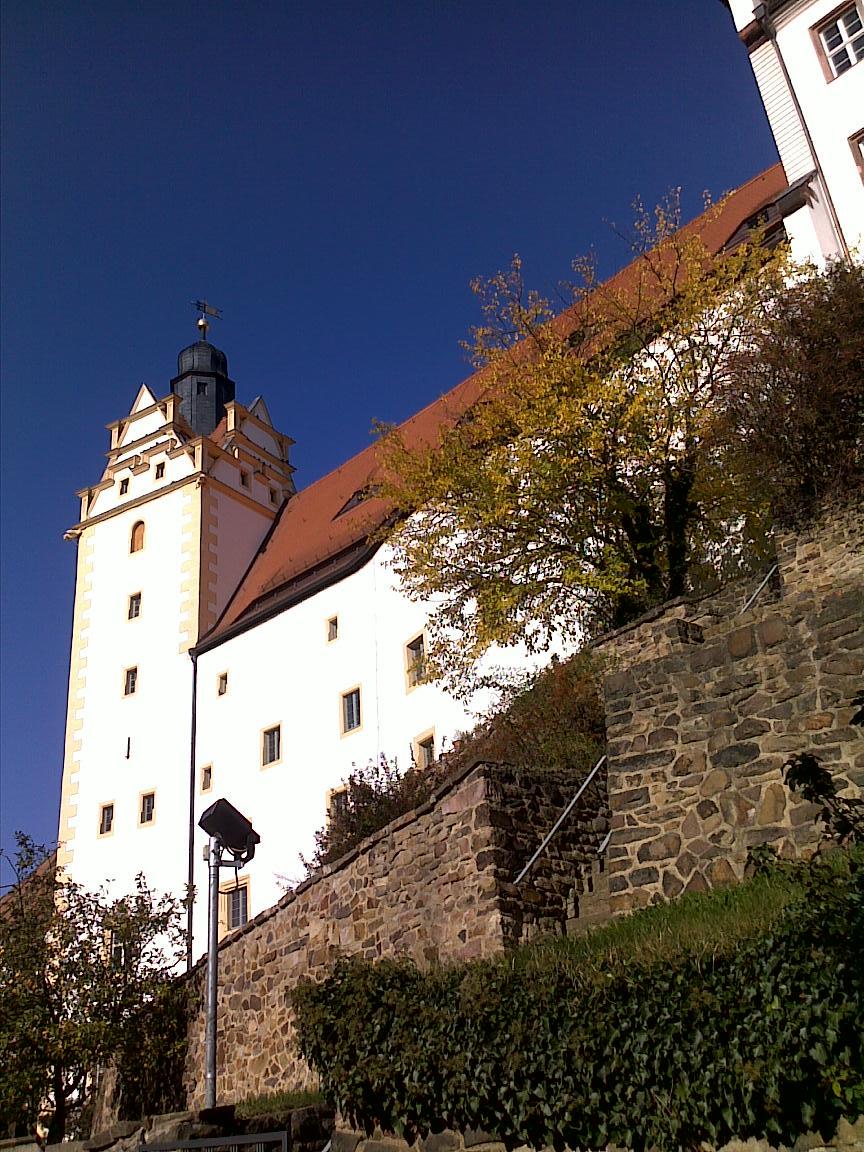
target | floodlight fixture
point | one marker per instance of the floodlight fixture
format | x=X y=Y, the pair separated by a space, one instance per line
x=231 y=829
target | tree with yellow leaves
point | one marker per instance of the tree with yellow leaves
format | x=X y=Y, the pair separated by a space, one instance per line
x=586 y=484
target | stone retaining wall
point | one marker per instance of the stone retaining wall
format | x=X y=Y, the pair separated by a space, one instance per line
x=704 y=705
x=848 y=1138
x=435 y=885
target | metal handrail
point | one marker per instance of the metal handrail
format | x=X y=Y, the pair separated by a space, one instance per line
x=756 y=594
x=561 y=819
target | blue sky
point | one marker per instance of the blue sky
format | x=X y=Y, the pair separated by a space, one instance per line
x=332 y=175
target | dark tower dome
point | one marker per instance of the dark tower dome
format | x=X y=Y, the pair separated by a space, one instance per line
x=203 y=385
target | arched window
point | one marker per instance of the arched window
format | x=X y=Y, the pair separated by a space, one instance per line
x=136 y=540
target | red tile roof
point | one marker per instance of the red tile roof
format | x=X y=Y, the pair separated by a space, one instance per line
x=311 y=545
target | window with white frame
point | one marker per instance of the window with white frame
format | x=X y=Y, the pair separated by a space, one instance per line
x=337 y=802
x=856 y=143
x=424 y=750
x=234 y=900
x=271 y=745
x=415 y=661
x=116 y=949
x=106 y=819
x=842 y=39
x=350 y=710
x=148 y=808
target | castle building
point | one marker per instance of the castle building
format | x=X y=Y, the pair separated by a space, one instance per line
x=234 y=637
x=804 y=55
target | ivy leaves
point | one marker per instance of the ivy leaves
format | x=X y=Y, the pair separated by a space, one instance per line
x=762 y=1038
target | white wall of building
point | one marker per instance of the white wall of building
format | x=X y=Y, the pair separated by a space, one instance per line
x=200 y=534
x=153 y=723
x=832 y=108
x=285 y=672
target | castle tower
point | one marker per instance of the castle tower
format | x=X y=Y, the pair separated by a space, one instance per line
x=193 y=483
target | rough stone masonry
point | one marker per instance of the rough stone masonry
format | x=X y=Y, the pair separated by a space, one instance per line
x=436 y=884
x=705 y=703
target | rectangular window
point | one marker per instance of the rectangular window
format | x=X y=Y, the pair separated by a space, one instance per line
x=160 y=471
x=842 y=39
x=134 y=605
x=271 y=745
x=106 y=819
x=415 y=661
x=130 y=681
x=234 y=906
x=206 y=777
x=124 y=487
x=201 y=388
x=856 y=143
x=221 y=683
x=351 y=710
x=332 y=629
x=148 y=808
x=337 y=803
x=424 y=751
x=244 y=479
x=117 y=950
x=272 y=495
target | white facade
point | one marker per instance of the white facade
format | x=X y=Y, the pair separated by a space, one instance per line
x=151 y=578
x=286 y=673
x=814 y=100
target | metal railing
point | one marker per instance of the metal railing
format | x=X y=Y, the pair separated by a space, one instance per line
x=561 y=819
x=256 y=1142
x=758 y=591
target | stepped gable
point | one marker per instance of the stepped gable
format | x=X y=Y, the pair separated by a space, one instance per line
x=321 y=535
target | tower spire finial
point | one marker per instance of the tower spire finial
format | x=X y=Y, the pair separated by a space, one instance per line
x=206 y=310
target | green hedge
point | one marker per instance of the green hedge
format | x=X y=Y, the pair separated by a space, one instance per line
x=759 y=1037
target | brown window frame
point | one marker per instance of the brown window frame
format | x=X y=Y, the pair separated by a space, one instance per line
x=819 y=44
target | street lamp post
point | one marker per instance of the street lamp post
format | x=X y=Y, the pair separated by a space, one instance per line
x=231 y=832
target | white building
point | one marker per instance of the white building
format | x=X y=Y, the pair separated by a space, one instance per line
x=804 y=55
x=233 y=637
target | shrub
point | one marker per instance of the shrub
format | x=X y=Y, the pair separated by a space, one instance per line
x=794 y=402
x=552 y=721
x=757 y=1035
x=374 y=795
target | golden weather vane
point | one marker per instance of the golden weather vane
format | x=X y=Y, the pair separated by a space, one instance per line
x=206 y=310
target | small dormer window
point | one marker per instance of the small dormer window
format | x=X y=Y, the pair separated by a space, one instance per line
x=124 y=487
